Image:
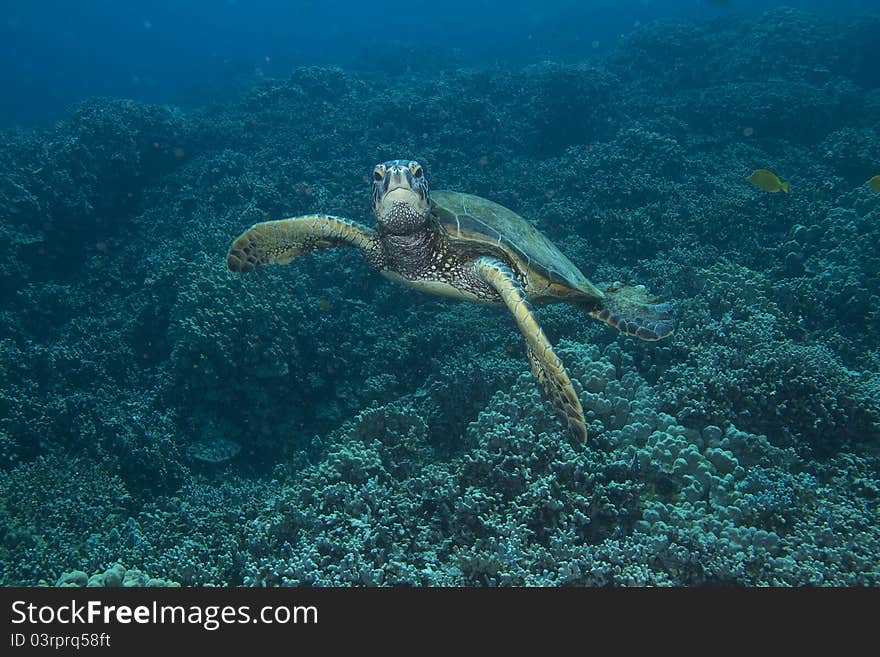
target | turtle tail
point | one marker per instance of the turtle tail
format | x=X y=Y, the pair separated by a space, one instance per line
x=630 y=310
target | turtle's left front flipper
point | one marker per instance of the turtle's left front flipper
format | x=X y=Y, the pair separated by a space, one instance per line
x=279 y=242
x=546 y=366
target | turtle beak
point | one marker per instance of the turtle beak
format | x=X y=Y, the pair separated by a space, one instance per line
x=399 y=183
x=398 y=178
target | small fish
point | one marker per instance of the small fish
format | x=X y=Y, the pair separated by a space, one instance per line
x=874 y=183
x=768 y=181
x=325 y=305
x=635 y=468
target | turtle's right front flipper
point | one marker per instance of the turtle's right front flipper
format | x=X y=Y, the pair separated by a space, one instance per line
x=279 y=242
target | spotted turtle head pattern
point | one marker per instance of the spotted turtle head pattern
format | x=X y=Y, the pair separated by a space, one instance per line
x=401 y=200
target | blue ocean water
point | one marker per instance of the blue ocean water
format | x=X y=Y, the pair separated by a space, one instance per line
x=55 y=55
x=168 y=416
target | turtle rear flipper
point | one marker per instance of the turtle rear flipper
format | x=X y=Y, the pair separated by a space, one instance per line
x=630 y=310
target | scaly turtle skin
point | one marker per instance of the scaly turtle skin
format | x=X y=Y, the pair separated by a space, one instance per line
x=465 y=247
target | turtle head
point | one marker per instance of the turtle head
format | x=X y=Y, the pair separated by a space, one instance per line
x=400 y=196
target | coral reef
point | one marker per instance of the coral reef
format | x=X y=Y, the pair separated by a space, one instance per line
x=652 y=503
x=315 y=425
x=115 y=576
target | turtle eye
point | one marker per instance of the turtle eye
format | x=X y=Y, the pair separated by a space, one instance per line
x=378 y=173
x=416 y=171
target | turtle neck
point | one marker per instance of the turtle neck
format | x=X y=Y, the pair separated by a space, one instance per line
x=410 y=253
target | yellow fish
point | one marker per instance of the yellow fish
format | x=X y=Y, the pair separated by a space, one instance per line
x=874 y=183
x=768 y=181
x=325 y=305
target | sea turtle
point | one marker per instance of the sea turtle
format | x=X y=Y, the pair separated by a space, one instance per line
x=463 y=246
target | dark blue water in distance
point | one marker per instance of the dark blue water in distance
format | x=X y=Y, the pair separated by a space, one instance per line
x=56 y=54
x=673 y=376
